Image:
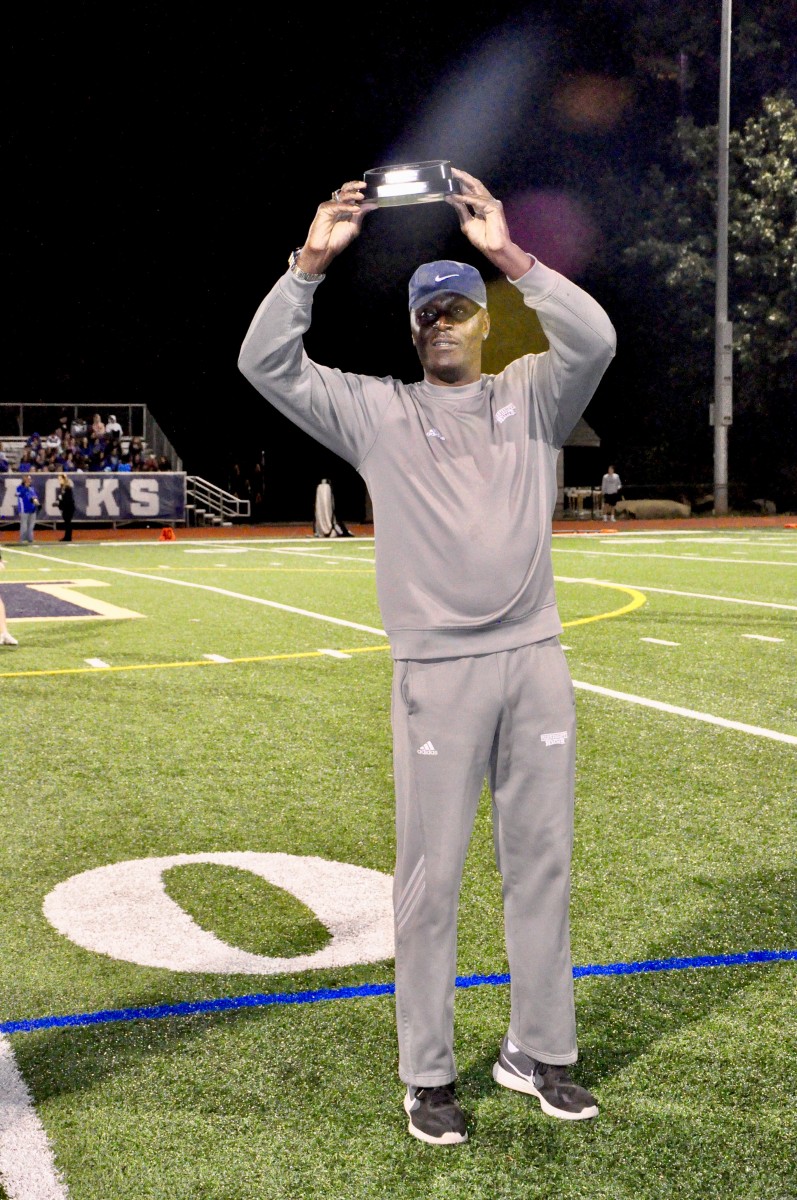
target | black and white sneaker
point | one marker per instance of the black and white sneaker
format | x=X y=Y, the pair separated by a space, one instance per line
x=435 y=1115
x=551 y=1084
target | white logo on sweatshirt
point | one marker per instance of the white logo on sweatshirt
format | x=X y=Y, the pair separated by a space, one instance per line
x=508 y=410
x=554 y=739
x=435 y=433
x=426 y=748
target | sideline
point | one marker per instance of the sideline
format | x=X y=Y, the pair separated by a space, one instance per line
x=154 y=1012
x=27 y=1166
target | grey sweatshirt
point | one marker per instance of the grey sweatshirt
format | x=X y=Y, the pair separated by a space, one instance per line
x=462 y=479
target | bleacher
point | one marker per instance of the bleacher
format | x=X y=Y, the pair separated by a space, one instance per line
x=12 y=447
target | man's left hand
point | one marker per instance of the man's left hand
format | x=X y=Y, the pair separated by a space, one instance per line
x=482 y=220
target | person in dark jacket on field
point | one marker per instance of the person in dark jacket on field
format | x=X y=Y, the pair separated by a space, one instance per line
x=65 y=499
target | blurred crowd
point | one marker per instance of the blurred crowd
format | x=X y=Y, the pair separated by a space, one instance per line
x=76 y=445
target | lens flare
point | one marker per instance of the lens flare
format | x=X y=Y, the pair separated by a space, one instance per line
x=584 y=103
x=553 y=226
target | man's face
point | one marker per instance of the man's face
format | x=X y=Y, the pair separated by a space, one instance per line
x=448 y=333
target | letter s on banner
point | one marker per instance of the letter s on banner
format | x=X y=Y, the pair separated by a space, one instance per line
x=144 y=498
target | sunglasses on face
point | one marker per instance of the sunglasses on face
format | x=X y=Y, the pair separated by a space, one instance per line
x=458 y=311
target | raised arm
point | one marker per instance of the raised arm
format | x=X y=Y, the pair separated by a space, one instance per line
x=482 y=220
x=580 y=335
x=336 y=224
x=342 y=411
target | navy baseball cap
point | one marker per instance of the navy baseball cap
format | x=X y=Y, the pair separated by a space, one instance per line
x=434 y=278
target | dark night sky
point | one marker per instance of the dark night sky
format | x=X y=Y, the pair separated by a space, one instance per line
x=164 y=161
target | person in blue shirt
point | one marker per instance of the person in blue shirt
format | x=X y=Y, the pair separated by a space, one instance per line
x=27 y=506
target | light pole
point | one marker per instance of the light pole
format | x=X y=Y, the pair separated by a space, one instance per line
x=722 y=408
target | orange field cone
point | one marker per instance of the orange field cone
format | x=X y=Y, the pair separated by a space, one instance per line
x=167 y=534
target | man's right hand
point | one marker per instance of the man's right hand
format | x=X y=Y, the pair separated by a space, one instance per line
x=335 y=226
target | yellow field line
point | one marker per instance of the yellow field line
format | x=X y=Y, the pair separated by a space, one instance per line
x=637 y=600
x=200 y=662
x=257 y=570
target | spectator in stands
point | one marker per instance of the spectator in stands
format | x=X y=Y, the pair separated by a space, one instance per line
x=125 y=463
x=164 y=464
x=97 y=452
x=150 y=463
x=79 y=428
x=4 y=463
x=112 y=426
x=26 y=461
x=5 y=637
x=53 y=440
x=64 y=425
x=97 y=426
x=65 y=499
x=27 y=507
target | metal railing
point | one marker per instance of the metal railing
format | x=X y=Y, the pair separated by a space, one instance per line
x=208 y=504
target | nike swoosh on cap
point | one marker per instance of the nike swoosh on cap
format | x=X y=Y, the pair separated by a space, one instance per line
x=440 y=278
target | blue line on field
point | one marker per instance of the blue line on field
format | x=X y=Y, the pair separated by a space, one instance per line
x=262 y=1000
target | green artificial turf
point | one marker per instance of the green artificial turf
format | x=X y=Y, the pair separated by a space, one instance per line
x=684 y=846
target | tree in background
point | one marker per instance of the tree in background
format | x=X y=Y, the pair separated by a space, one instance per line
x=676 y=247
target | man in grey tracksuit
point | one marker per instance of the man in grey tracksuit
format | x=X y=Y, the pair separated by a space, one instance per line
x=461 y=470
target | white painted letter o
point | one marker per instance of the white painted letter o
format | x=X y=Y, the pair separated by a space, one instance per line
x=122 y=910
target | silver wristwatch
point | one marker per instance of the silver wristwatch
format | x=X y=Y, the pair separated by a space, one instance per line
x=307 y=276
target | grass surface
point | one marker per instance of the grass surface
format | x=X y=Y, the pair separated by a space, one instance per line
x=684 y=846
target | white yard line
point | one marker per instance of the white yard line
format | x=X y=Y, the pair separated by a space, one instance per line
x=206 y=587
x=737 y=562
x=99 y=663
x=644 y=587
x=334 y=653
x=659 y=641
x=325 y=557
x=27 y=1166
x=761 y=637
x=677 y=711
x=219 y=658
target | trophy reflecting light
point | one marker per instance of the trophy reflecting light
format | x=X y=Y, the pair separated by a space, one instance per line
x=410 y=183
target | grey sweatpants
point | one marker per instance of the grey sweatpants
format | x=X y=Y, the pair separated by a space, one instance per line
x=509 y=717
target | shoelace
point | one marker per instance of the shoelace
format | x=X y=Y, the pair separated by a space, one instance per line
x=438 y=1096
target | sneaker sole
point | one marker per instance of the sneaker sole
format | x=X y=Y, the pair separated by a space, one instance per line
x=517 y=1083
x=447 y=1139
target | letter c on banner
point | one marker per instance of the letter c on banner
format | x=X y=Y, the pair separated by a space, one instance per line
x=122 y=910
